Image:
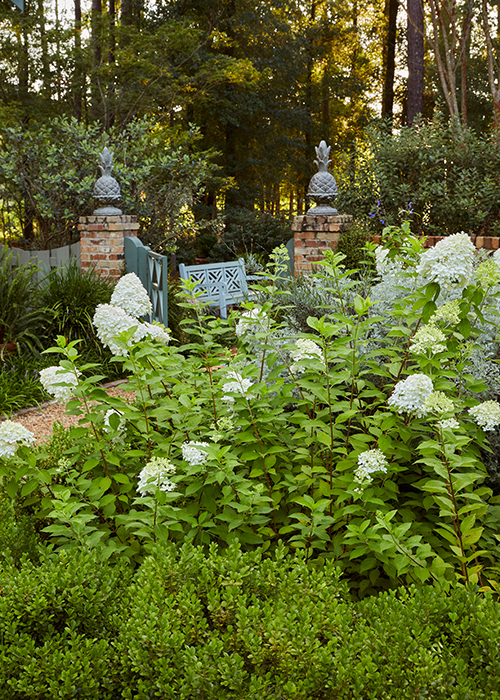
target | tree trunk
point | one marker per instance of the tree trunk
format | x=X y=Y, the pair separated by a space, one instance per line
x=78 y=77
x=46 y=91
x=126 y=13
x=308 y=89
x=415 y=98
x=23 y=62
x=493 y=67
x=111 y=61
x=96 y=90
x=391 y=14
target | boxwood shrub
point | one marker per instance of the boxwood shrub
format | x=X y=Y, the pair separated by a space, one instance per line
x=231 y=625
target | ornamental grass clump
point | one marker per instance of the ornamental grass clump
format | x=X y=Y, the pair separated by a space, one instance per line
x=341 y=442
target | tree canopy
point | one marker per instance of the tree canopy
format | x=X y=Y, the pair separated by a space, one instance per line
x=263 y=81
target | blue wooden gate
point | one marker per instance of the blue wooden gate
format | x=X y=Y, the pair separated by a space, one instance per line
x=152 y=269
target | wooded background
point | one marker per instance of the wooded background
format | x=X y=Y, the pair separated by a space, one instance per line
x=236 y=93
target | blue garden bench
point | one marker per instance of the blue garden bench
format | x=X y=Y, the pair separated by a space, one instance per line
x=221 y=284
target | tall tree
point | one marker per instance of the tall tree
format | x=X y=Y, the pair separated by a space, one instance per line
x=415 y=94
x=493 y=59
x=451 y=26
x=389 y=58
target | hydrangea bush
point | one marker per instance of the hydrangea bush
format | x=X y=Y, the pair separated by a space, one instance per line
x=359 y=441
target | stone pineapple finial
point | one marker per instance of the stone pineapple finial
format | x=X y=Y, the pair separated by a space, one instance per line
x=106 y=189
x=322 y=187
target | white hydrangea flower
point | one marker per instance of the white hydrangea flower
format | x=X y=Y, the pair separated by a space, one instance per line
x=428 y=338
x=52 y=376
x=239 y=385
x=387 y=269
x=155 y=475
x=253 y=317
x=110 y=321
x=410 y=394
x=11 y=435
x=369 y=462
x=448 y=423
x=486 y=414
x=130 y=295
x=305 y=349
x=438 y=403
x=157 y=331
x=448 y=313
x=193 y=455
x=449 y=262
x=488 y=273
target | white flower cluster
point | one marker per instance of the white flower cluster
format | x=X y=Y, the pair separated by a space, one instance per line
x=449 y=262
x=449 y=313
x=155 y=475
x=53 y=379
x=439 y=403
x=157 y=331
x=369 y=462
x=428 y=338
x=192 y=454
x=486 y=414
x=389 y=270
x=110 y=321
x=305 y=349
x=254 y=320
x=239 y=385
x=451 y=423
x=130 y=295
x=488 y=273
x=410 y=394
x=11 y=435
x=128 y=301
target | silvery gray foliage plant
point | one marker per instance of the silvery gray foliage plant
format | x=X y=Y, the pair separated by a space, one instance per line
x=341 y=442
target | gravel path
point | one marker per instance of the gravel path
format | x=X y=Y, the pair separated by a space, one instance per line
x=40 y=419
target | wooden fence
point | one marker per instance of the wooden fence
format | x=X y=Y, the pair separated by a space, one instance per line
x=46 y=260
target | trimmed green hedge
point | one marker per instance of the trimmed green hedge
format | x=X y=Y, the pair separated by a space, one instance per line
x=235 y=626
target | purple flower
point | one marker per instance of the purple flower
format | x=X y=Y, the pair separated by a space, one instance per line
x=382 y=221
x=371 y=215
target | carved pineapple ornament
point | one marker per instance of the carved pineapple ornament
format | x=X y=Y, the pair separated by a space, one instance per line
x=106 y=189
x=322 y=187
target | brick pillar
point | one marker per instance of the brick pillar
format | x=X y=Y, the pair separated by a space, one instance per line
x=314 y=234
x=102 y=242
